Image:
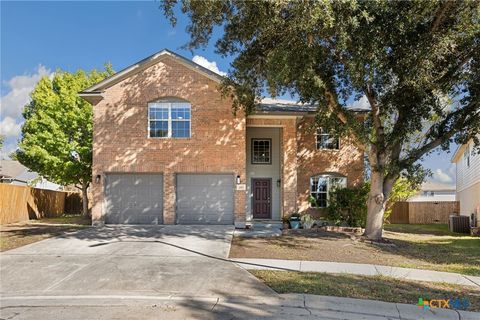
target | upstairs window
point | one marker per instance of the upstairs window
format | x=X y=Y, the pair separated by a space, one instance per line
x=261 y=151
x=169 y=119
x=326 y=140
x=321 y=186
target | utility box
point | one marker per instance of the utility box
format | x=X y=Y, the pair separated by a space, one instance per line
x=459 y=224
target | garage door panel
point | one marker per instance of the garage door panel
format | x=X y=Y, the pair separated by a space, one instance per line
x=134 y=199
x=204 y=199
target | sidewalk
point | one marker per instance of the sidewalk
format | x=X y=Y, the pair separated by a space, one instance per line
x=359 y=269
x=284 y=306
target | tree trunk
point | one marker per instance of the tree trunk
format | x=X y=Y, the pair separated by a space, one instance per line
x=85 y=199
x=375 y=207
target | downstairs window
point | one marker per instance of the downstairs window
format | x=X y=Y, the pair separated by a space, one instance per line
x=321 y=186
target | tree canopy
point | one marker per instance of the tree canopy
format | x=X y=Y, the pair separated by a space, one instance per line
x=57 y=133
x=416 y=62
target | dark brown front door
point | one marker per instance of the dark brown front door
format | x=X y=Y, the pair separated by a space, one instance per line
x=262 y=194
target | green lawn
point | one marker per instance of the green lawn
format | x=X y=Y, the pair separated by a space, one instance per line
x=365 y=287
x=76 y=219
x=430 y=247
x=436 y=247
x=435 y=229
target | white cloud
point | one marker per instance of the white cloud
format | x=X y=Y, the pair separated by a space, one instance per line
x=11 y=104
x=9 y=127
x=7 y=149
x=440 y=176
x=210 y=65
x=362 y=103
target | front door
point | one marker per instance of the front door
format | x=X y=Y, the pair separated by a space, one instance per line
x=262 y=194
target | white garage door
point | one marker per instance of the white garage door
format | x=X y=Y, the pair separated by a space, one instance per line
x=205 y=199
x=134 y=198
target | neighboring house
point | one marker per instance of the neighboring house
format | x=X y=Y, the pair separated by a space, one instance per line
x=431 y=191
x=168 y=149
x=468 y=178
x=13 y=172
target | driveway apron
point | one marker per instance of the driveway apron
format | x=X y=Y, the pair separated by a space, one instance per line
x=129 y=260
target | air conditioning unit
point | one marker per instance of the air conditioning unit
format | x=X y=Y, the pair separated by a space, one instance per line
x=473 y=220
x=460 y=224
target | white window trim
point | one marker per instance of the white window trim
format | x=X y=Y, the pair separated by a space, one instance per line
x=168 y=106
x=325 y=134
x=328 y=176
x=466 y=156
x=269 y=151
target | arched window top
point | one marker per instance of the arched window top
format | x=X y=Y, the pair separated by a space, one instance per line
x=169 y=118
x=330 y=174
x=322 y=184
x=172 y=99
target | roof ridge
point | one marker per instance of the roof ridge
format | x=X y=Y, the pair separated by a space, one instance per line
x=145 y=63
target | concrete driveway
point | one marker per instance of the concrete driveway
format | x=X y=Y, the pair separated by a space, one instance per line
x=129 y=260
x=125 y=262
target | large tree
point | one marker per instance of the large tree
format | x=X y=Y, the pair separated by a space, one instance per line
x=57 y=133
x=416 y=62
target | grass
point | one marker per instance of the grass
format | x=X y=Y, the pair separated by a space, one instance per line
x=76 y=219
x=365 y=287
x=433 y=229
x=431 y=247
x=20 y=234
x=437 y=248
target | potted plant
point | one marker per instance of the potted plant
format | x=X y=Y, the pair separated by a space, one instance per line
x=307 y=221
x=285 y=220
x=295 y=220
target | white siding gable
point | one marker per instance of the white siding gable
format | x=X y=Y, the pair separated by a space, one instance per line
x=468 y=168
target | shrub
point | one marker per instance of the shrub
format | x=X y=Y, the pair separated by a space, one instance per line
x=307 y=221
x=348 y=205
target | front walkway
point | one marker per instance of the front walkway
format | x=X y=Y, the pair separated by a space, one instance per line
x=359 y=269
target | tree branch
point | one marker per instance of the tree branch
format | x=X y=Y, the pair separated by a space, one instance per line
x=379 y=142
x=336 y=108
x=440 y=14
x=467 y=118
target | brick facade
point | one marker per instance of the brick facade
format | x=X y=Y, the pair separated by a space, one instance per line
x=120 y=142
x=217 y=143
x=348 y=161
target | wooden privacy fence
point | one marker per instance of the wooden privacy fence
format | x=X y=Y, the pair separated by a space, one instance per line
x=21 y=203
x=425 y=212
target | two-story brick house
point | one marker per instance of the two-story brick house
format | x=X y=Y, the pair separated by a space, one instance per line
x=167 y=149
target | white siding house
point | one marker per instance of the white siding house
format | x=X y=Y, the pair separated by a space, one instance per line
x=434 y=192
x=468 y=179
x=13 y=172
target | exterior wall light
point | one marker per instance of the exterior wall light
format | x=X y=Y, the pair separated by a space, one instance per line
x=238 y=179
x=98 y=178
x=279 y=183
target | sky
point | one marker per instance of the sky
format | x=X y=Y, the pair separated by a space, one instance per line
x=39 y=37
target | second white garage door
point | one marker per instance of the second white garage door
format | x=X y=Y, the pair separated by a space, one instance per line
x=205 y=199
